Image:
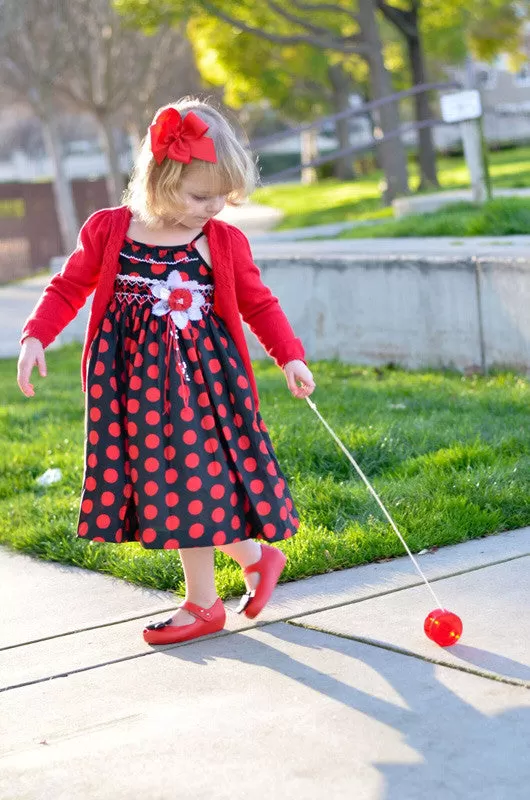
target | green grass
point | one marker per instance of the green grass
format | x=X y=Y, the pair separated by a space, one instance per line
x=338 y=201
x=452 y=464
x=501 y=217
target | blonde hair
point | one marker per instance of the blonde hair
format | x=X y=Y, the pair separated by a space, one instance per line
x=153 y=191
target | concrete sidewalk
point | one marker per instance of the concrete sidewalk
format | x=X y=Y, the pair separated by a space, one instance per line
x=334 y=693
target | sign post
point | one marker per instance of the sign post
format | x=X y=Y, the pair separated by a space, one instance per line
x=466 y=108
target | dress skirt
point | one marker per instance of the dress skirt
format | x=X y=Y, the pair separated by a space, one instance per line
x=176 y=454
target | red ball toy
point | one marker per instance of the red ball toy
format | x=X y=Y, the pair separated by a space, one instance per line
x=443 y=627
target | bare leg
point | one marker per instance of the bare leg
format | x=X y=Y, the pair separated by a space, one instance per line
x=245 y=553
x=198 y=567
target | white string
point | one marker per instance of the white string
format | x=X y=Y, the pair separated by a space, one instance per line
x=376 y=496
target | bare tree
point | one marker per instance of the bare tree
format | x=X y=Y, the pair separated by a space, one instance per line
x=31 y=58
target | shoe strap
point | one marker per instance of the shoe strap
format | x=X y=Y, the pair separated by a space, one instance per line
x=201 y=613
x=257 y=566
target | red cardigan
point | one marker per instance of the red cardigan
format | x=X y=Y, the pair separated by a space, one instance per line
x=239 y=291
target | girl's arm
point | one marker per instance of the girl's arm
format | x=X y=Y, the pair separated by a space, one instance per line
x=261 y=309
x=67 y=291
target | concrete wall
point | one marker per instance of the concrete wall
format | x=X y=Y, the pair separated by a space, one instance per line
x=417 y=312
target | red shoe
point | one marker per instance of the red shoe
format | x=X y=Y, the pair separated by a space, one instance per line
x=208 y=620
x=270 y=567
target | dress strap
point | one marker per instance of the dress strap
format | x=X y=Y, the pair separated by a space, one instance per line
x=197 y=237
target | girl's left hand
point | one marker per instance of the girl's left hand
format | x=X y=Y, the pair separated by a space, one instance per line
x=297 y=370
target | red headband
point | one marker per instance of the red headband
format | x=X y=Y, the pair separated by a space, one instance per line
x=180 y=139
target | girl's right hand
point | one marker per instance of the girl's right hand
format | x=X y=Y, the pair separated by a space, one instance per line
x=31 y=353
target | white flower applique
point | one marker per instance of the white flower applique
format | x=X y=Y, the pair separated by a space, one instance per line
x=182 y=300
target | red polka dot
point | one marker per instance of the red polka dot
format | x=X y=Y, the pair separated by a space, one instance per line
x=227 y=432
x=103 y=521
x=250 y=464
x=99 y=369
x=232 y=362
x=127 y=490
x=208 y=422
x=93 y=437
x=248 y=403
x=90 y=484
x=208 y=343
x=218 y=387
x=214 y=469
x=171 y=544
x=278 y=491
x=151 y=464
x=82 y=530
x=171 y=475
x=289 y=503
x=152 y=440
x=192 y=460
x=113 y=383
x=114 y=429
x=132 y=406
x=133 y=452
x=288 y=533
x=233 y=499
x=98 y=539
x=195 y=507
x=198 y=377
x=194 y=484
x=187 y=414
x=283 y=513
x=192 y=354
x=103 y=346
x=218 y=515
x=263 y=507
x=134 y=477
x=242 y=382
x=221 y=410
x=214 y=365
x=153 y=347
x=113 y=452
x=263 y=448
x=172 y=499
x=153 y=394
x=172 y=522
x=96 y=391
x=95 y=414
x=108 y=498
x=196 y=530
x=152 y=417
x=238 y=420
x=107 y=325
x=118 y=536
x=183 y=392
x=217 y=491
x=110 y=475
x=138 y=357
x=114 y=407
x=87 y=506
x=244 y=442
x=219 y=537
x=149 y=535
x=211 y=445
x=269 y=530
x=135 y=382
x=150 y=511
x=203 y=399
x=257 y=486
x=151 y=488
x=236 y=523
x=189 y=437
x=153 y=371
x=169 y=452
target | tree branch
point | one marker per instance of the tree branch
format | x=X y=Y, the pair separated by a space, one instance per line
x=405 y=21
x=348 y=44
x=309 y=26
x=324 y=7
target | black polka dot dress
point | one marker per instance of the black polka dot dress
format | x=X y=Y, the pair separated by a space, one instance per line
x=176 y=454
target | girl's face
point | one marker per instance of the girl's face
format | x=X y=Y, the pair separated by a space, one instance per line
x=201 y=202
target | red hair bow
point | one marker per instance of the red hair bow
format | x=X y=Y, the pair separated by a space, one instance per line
x=180 y=139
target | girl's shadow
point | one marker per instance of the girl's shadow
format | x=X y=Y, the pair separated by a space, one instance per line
x=470 y=735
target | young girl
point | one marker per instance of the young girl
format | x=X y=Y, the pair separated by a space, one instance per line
x=176 y=452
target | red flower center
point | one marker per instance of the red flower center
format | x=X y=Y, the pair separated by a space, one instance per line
x=180 y=299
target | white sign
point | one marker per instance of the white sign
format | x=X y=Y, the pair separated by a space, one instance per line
x=461 y=106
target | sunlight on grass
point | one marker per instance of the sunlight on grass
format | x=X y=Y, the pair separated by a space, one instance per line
x=448 y=454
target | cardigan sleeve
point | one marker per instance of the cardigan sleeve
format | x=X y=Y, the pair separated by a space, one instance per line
x=261 y=309
x=68 y=291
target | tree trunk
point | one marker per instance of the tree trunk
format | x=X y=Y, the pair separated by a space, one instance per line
x=426 y=151
x=308 y=153
x=114 y=177
x=341 y=88
x=62 y=189
x=393 y=154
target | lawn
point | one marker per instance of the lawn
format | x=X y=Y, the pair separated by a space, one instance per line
x=448 y=454
x=337 y=201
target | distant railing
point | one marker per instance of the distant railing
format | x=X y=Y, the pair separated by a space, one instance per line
x=366 y=108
